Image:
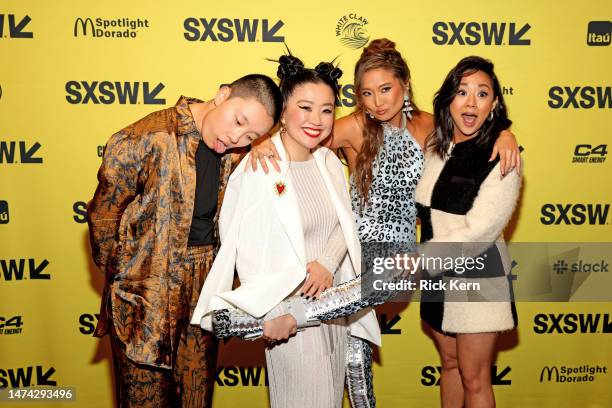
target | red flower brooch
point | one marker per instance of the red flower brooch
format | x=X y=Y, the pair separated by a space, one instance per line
x=280 y=188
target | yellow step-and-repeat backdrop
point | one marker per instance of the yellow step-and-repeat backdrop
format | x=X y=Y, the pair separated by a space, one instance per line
x=73 y=72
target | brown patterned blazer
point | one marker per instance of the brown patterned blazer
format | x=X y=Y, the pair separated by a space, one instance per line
x=139 y=221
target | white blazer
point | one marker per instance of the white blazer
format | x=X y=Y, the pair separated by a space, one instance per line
x=262 y=238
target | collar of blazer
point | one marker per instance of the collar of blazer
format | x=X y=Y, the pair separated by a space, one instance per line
x=287 y=208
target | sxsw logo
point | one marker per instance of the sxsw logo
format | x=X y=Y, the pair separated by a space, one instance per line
x=16 y=29
x=80 y=212
x=580 y=97
x=226 y=30
x=346 y=96
x=430 y=376
x=4 y=212
x=15 y=269
x=570 y=323
x=87 y=323
x=26 y=377
x=598 y=33
x=575 y=214
x=107 y=92
x=232 y=376
x=27 y=152
x=475 y=33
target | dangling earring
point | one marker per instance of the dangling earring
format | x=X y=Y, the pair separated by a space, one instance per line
x=408 y=108
x=369 y=115
x=283 y=129
x=491 y=115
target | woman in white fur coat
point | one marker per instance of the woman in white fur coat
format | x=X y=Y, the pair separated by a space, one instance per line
x=461 y=198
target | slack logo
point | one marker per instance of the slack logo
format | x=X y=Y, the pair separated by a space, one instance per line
x=598 y=33
x=226 y=30
x=580 y=97
x=4 y=212
x=107 y=93
x=15 y=29
x=475 y=33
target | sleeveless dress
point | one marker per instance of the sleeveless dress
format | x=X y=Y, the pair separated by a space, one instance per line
x=390 y=215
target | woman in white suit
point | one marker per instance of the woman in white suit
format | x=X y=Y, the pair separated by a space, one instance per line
x=288 y=235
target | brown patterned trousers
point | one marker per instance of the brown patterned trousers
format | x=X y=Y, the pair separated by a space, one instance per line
x=190 y=382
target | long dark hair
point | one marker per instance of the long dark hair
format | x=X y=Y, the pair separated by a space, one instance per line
x=380 y=53
x=439 y=141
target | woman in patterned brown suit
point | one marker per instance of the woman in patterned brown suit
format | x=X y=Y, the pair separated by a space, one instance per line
x=153 y=231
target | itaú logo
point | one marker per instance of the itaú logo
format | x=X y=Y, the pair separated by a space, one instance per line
x=109 y=28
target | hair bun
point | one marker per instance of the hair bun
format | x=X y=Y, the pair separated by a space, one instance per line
x=288 y=66
x=379 y=46
x=327 y=69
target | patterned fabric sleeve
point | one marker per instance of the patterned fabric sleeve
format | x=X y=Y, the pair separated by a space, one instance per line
x=118 y=180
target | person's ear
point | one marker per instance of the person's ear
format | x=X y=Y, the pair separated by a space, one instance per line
x=494 y=104
x=222 y=94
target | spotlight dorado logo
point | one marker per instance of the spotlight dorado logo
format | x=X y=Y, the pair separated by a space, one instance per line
x=567 y=374
x=109 y=28
x=352 y=32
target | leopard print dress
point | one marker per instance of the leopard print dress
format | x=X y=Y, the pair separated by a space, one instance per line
x=390 y=215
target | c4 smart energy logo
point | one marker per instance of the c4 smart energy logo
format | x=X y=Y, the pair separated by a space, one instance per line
x=592 y=154
x=12 y=26
x=479 y=33
x=352 y=31
x=233 y=29
x=599 y=33
x=110 y=92
x=109 y=28
x=10 y=325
